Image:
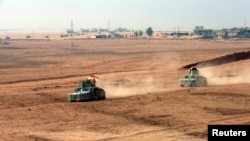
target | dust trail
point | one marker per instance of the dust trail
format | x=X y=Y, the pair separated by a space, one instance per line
x=127 y=86
x=228 y=75
x=155 y=78
x=228 y=69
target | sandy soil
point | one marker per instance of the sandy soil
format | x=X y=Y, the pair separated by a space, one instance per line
x=140 y=77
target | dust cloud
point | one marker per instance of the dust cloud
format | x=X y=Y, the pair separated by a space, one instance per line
x=231 y=74
x=153 y=77
x=228 y=69
x=127 y=86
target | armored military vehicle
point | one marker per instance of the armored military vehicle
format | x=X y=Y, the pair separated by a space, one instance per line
x=86 y=92
x=194 y=79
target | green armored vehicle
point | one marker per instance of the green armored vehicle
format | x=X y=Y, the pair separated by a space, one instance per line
x=87 y=91
x=193 y=79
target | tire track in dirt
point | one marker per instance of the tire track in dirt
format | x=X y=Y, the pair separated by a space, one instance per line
x=197 y=130
x=185 y=129
x=68 y=76
x=131 y=60
x=135 y=59
x=20 y=101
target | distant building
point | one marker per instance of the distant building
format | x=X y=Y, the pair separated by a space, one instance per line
x=100 y=36
x=244 y=33
x=94 y=30
x=203 y=33
x=118 y=35
x=103 y=30
x=120 y=29
x=7 y=38
x=84 y=30
x=233 y=33
x=178 y=34
x=28 y=37
x=219 y=34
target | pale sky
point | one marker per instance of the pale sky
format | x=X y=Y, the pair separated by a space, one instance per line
x=131 y=14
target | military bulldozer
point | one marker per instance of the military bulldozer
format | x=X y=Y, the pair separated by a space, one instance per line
x=86 y=92
x=194 y=79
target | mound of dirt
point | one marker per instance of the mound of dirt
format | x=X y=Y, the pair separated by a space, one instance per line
x=220 y=60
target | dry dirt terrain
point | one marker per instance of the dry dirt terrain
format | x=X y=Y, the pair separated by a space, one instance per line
x=144 y=101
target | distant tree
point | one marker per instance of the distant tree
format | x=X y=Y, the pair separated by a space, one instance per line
x=149 y=31
x=120 y=29
x=136 y=34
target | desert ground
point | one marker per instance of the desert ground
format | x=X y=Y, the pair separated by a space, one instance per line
x=140 y=76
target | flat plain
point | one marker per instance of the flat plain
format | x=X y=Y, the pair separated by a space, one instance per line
x=140 y=77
